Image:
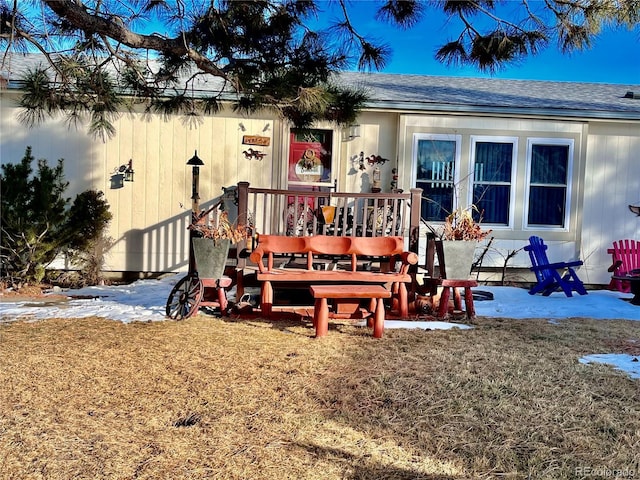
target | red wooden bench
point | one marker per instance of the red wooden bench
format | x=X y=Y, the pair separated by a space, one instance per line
x=346 y=299
x=275 y=257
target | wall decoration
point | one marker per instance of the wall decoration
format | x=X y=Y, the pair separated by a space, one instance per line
x=257 y=140
x=309 y=162
x=250 y=153
x=374 y=159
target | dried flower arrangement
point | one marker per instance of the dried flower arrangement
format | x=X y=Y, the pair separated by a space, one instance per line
x=220 y=228
x=460 y=225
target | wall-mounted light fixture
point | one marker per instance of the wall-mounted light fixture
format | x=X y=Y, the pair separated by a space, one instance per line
x=375 y=176
x=123 y=173
x=127 y=171
x=350 y=132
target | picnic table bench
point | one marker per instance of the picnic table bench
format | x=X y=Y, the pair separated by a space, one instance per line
x=329 y=260
x=346 y=304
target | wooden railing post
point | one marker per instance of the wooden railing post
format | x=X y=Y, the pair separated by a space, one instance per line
x=243 y=212
x=243 y=203
x=414 y=221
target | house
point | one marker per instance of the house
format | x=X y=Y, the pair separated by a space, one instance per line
x=555 y=159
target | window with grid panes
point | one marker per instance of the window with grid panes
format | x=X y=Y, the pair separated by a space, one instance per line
x=549 y=165
x=436 y=158
x=493 y=162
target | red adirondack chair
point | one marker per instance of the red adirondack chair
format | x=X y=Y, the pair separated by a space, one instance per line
x=625 y=255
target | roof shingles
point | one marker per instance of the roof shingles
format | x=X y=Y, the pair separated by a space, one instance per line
x=420 y=92
x=467 y=94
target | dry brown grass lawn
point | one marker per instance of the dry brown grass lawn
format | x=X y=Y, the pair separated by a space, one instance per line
x=237 y=399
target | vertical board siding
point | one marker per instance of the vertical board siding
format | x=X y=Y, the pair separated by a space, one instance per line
x=612 y=182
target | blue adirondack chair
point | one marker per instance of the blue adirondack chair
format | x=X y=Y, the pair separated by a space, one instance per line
x=552 y=277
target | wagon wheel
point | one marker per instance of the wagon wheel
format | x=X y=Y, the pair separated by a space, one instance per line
x=184 y=299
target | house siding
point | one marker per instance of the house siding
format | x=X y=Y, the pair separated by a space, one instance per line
x=151 y=214
x=154 y=211
x=611 y=183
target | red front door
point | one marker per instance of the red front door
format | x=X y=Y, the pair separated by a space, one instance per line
x=310 y=159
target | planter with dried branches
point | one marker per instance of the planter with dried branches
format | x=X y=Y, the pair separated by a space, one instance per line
x=460 y=235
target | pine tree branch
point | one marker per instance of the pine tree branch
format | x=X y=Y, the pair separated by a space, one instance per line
x=113 y=27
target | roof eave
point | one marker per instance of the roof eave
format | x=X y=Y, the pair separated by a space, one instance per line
x=498 y=110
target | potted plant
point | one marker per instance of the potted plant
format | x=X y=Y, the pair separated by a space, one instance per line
x=212 y=240
x=460 y=235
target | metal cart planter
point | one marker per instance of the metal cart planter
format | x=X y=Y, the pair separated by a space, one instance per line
x=204 y=285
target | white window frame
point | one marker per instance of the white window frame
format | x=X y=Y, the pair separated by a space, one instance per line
x=567 y=142
x=457 y=139
x=474 y=139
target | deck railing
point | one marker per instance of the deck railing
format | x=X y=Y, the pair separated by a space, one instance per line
x=302 y=213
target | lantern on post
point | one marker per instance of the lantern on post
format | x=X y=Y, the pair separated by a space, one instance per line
x=195 y=163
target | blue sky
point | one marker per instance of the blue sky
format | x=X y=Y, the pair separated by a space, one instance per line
x=614 y=57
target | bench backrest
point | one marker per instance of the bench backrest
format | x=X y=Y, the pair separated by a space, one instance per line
x=324 y=245
x=377 y=246
x=280 y=244
x=268 y=245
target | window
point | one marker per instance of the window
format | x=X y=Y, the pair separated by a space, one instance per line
x=549 y=170
x=436 y=158
x=493 y=164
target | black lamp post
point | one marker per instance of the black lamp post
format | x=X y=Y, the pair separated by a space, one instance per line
x=195 y=163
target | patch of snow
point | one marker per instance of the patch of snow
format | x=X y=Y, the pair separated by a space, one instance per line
x=620 y=361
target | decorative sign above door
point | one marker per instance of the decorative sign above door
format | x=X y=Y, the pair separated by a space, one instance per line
x=256 y=140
